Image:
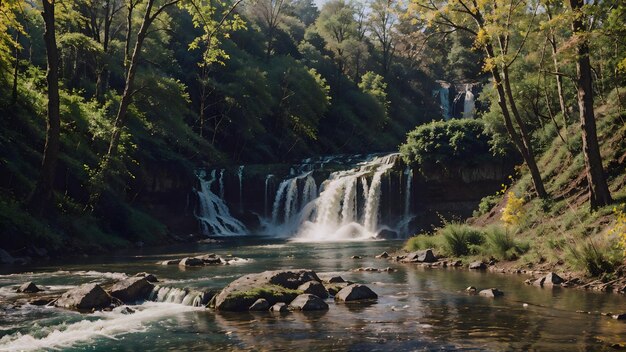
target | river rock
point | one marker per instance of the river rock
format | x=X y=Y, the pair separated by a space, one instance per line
x=28 y=287
x=280 y=307
x=5 y=257
x=471 y=289
x=355 y=292
x=261 y=304
x=549 y=280
x=274 y=286
x=336 y=287
x=170 y=262
x=336 y=279
x=132 y=290
x=619 y=316
x=307 y=302
x=191 y=262
x=383 y=255
x=477 y=265
x=210 y=259
x=314 y=288
x=423 y=256
x=84 y=297
x=491 y=292
x=41 y=301
x=357 y=257
x=148 y=277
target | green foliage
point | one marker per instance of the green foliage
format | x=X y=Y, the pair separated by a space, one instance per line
x=596 y=259
x=454 y=142
x=501 y=244
x=461 y=239
x=486 y=204
x=374 y=85
x=424 y=241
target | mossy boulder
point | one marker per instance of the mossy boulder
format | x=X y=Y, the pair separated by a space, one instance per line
x=273 y=286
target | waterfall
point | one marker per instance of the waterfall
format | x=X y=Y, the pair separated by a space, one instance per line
x=336 y=212
x=240 y=174
x=267 y=189
x=444 y=100
x=407 y=195
x=288 y=195
x=182 y=296
x=222 y=184
x=469 y=107
x=214 y=216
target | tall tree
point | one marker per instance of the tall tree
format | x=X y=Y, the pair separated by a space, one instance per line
x=270 y=14
x=43 y=196
x=382 y=20
x=598 y=188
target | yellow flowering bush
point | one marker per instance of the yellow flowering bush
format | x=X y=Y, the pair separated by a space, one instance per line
x=619 y=230
x=513 y=212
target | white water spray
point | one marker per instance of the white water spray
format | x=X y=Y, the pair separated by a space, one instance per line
x=240 y=175
x=469 y=106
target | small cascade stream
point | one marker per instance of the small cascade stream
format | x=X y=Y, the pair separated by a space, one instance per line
x=186 y=297
x=213 y=213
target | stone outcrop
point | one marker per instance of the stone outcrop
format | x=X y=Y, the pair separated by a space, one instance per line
x=273 y=286
x=355 y=292
x=423 y=256
x=314 y=288
x=28 y=287
x=132 y=290
x=549 y=280
x=85 y=297
x=306 y=302
x=491 y=292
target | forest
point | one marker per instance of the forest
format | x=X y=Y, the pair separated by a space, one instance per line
x=96 y=95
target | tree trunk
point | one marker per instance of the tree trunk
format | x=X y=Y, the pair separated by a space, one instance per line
x=598 y=188
x=559 y=79
x=15 y=73
x=42 y=197
x=120 y=119
x=522 y=145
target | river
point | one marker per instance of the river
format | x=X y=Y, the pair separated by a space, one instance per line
x=418 y=308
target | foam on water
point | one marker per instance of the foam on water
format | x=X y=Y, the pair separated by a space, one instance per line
x=110 y=325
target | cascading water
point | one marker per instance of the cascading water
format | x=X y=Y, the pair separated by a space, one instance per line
x=266 y=201
x=213 y=213
x=469 y=106
x=293 y=195
x=240 y=175
x=222 y=184
x=335 y=213
x=182 y=296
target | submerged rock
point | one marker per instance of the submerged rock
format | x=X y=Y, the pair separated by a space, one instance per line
x=471 y=289
x=132 y=290
x=41 y=301
x=306 y=302
x=191 y=262
x=314 y=288
x=355 y=292
x=423 y=256
x=273 y=286
x=491 y=292
x=477 y=265
x=28 y=287
x=170 y=262
x=357 y=257
x=280 y=307
x=619 y=316
x=210 y=259
x=84 y=297
x=261 y=304
x=549 y=280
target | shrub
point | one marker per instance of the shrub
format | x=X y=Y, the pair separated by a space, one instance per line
x=486 y=204
x=595 y=261
x=423 y=241
x=500 y=244
x=513 y=212
x=460 y=239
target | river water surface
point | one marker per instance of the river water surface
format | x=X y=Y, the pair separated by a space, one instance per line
x=417 y=309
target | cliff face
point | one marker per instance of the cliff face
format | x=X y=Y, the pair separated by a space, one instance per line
x=454 y=192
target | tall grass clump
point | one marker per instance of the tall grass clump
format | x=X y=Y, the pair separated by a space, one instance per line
x=423 y=241
x=501 y=244
x=461 y=239
x=595 y=258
